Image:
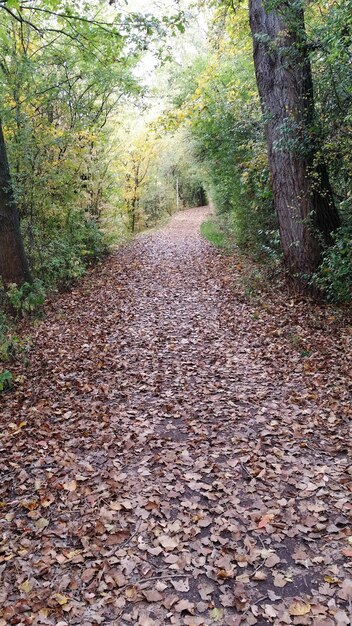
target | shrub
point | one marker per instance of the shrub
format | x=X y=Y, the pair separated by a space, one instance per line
x=5 y=380
x=334 y=276
x=27 y=298
x=63 y=253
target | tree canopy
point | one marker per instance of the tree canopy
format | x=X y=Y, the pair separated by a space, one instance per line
x=117 y=113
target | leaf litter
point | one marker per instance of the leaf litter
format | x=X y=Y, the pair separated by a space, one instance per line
x=176 y=453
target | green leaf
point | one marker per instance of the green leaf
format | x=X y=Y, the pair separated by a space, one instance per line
x=13 y=4
x=5 y=380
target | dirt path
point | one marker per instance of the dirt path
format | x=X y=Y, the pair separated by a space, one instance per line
x=177 y=454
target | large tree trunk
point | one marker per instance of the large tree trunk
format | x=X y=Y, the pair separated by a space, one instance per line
x=302 y=193
x=13 y=261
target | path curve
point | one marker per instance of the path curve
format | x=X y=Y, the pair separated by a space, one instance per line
x=168 y=457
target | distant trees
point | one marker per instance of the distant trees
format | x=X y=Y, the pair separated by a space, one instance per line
x=136 y=166
x=65 y=68
x=156 y=173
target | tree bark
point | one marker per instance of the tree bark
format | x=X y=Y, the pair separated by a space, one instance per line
x=13 y=262
x=302 y=194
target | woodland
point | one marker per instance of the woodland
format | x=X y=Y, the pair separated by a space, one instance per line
x=175 y=297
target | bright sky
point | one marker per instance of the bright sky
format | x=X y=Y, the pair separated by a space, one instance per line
x=183 y=44
x=156 y=6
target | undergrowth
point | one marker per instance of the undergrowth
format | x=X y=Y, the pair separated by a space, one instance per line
x=16 y=303
x=213 y=231
x=257 y=269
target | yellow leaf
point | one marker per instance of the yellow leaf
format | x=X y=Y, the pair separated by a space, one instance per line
x=299 y=608
x=331 y=580
x=60 y=599
x=44 y=612
x=41 y=523
x=30 y=505
x=216 y=615
x=26 y=586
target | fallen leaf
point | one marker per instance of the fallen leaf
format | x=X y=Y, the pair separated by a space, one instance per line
x=260 y=575
x=41 y=523
x=88 y=574
x=26 y=586
x=299 y=608
x=216 y=615
x=265 y=520
x=70 y=486
x=180 y=585
x=168 y=543
x=345 y=593
x=184 y=605
x=341 y=618
x=270 y=611
x=117 y=538
x=347 y=552
x=60 y=599
x=152 y=595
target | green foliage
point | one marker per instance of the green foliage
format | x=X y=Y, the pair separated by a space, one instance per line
x=217 y=99
x=63 y=254
x=27 y=298
x=330 y=31
x=212 y=231
x=254 y=280
x=5 y=380
x=66 y=68
x=6 y=348
x=81 y=181
x=334 y=276
x=225 y=121
x=5 y=342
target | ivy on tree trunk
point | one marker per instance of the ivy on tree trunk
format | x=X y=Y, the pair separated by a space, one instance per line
x=302 y=194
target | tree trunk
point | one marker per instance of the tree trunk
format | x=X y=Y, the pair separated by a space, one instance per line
x=301 y=189
x=13 y=261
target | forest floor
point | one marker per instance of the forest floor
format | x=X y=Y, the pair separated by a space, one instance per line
x=176 y=453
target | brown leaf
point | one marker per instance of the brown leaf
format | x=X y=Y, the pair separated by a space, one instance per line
x=152 y=595
x=168 y=543
x=184 y=605
x=70 y=486
x=117 y=538
x=88 y=574
x=265 y=520
x=180 y=584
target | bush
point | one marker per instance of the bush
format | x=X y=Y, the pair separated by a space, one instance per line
x=62 y=254
x=27 y=298
x=5 y=380
x=334 y=276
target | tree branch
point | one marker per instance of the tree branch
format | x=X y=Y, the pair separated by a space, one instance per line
x=20 y=19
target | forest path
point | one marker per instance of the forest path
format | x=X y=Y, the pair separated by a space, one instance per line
x=176 y=453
